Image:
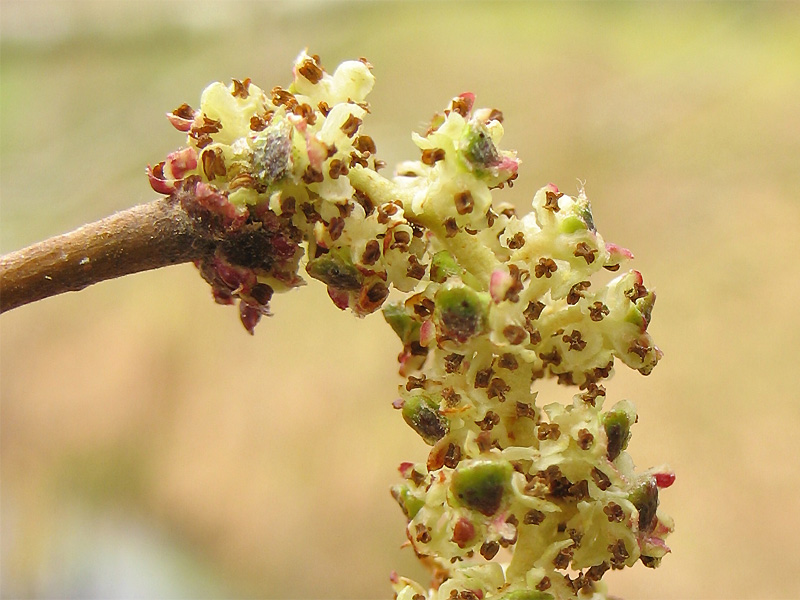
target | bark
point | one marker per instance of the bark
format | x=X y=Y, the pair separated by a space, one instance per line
x=141 y=238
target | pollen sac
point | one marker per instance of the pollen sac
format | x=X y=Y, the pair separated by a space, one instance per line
x=482 y=486
x=617 y=425
x=335 y=270
x=272 y=153
x=461 y=312
x=478 y=147
x=645 y=498
x=422 y=414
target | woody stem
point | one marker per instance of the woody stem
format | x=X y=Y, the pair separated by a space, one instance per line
x=148 y=236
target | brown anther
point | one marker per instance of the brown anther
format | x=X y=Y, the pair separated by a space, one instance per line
x=281 y=97
x=432 y=155
x=423 y=533
x=574 y=340
x=453 y=456
x=324 y=108
x=213 y=163
x=414 y=383
x=576 y=292
x=401 y=239
x=614 y=512
x=495 y=115
x=424 y=308
x=372 y=252
x=533 y=311
x=489 y=421
x=184 y=111
x=450 y=227
x=489 y=550
x=516 y=241
x=596 y=572
x=304 y=111
x=601 y=480
x=313 y=175
x=535 y=337
x=372 y=297
x=259 y=122
x=336 y=168
x=311 y=71
x=563 y=558
x=452 y=362
x=460 y=105
x=544 y=584
x=514 y=334
x=288 y=205
x=551 y=200
x=508 y=210
x=450 y=397
x=619 y=554
x=335 y=228
x=551 y=358
x=639 y=349
x=598 y=311
x=351 y=125
x=533 y=517
x=636 y=292
x=415 y=269
x=464 y=202
x=483 y=377
x=565 y=379
x=241 y=89
x=508 y=361
x=525 y=410
x=612 y=268
x=365 y=201
x=242 y=180
x=585 y=439
x=378 y=164
x=548 y=431
x=579 y=490
x=545 y=268
x=364 y=143
x=497 y=389
x=583 y=250
x=385 y=211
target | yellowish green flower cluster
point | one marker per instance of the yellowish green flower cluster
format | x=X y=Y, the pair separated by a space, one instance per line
x=517 y=499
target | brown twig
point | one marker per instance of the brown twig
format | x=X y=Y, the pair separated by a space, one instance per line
x=144 y=237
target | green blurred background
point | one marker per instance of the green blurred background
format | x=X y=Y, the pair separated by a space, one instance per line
x=152 y=449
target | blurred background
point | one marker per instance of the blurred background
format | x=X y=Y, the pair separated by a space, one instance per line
x=150 y=448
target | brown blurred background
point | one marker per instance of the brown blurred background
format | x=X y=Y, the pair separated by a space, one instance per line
x=152 y=449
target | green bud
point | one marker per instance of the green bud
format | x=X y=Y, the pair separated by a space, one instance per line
x=409 y=503
x=617 y=424
x=403 y=324
x=336 y=270
x=645 y=498
x=443 y=265
x=422 y=414
x=461 y=312
x=482 y=486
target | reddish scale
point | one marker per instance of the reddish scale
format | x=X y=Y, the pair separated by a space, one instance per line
x=463 y=532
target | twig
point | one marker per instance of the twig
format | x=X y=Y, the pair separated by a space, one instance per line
x=148 y=236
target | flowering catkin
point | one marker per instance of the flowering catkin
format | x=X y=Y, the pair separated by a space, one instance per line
x=517 y=499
